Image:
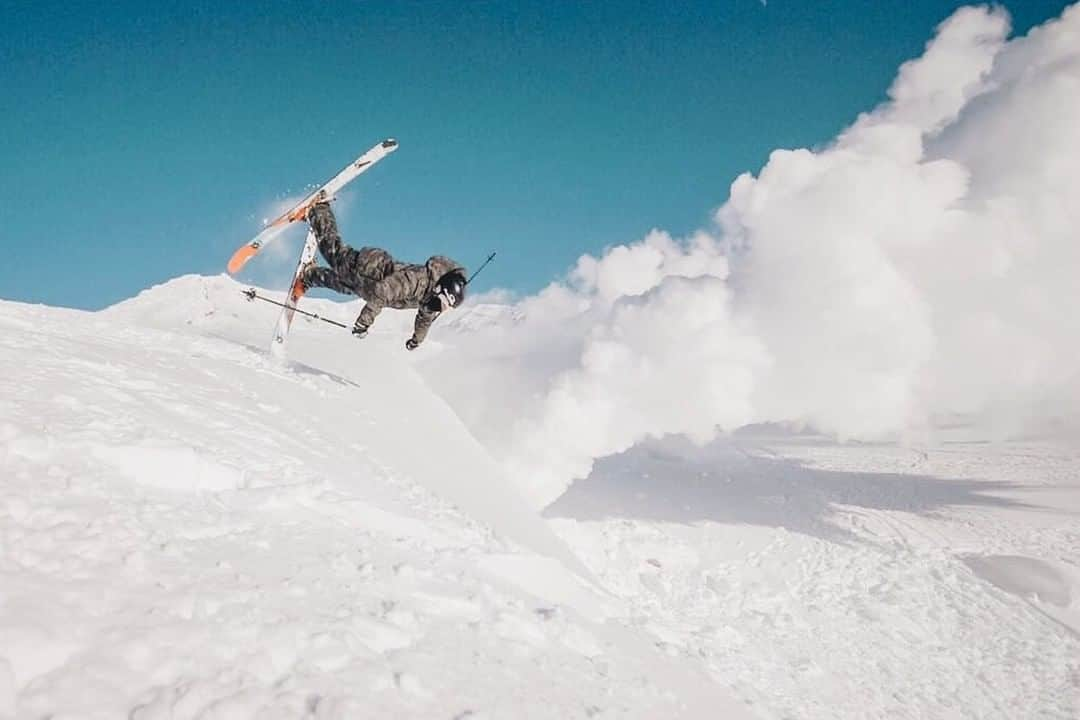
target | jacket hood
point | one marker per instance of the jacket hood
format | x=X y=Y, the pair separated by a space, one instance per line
x=439 y=265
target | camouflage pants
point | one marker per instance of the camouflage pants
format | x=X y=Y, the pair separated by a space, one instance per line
x=351 y=272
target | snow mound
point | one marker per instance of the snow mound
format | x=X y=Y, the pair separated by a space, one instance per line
x=189 y=528
x=409 y=427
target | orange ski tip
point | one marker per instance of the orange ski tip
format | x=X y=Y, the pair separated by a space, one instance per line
x=240 y=258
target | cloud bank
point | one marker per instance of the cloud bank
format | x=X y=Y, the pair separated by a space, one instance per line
x=924 y=263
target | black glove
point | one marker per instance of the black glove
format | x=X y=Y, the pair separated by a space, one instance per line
x=411 y=344
x=359 y=331
x=433 y=305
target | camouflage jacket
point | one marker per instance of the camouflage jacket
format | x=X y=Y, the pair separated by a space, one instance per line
x=402 y=286
x=373 y=274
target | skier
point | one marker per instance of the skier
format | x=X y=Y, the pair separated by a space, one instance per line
x=373 y=275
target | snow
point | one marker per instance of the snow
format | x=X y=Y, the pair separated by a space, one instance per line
x=189 y=529
x=850 y=580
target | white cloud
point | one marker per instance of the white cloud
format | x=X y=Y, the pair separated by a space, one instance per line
x=923 y=263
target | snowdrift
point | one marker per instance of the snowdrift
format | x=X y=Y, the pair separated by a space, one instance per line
x=191 y=529
x=374 y=402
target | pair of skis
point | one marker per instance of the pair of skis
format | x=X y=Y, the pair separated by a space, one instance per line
x=298 y=213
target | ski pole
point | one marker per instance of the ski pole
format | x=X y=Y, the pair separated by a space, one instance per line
x=252 y=295
x=490 y=258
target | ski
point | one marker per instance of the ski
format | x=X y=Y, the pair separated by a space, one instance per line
x=296 y=291
x=299 y=211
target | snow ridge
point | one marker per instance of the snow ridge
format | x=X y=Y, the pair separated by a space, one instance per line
x=189 y=529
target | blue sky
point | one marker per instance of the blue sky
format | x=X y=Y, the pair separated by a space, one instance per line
x=142 y=141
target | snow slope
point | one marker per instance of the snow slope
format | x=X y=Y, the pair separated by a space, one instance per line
x=188 y=529
x=850 y=581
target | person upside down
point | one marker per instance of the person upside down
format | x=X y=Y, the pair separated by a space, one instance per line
x=380 y=280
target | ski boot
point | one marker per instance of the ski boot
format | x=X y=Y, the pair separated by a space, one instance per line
x=320 y=199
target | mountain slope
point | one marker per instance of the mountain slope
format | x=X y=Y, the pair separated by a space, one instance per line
x=188 y=529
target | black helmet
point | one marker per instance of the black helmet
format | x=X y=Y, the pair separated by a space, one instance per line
x=451 y=288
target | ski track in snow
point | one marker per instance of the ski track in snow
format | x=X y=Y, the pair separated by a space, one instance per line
x=189 y=530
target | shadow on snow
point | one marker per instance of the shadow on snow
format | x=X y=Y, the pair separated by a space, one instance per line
x=737 y=482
